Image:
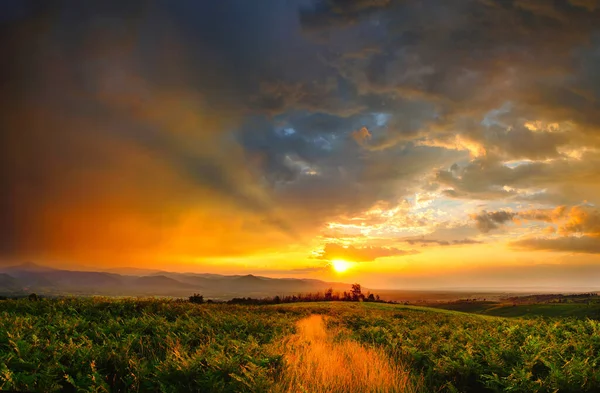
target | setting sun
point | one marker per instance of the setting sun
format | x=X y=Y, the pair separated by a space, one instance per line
x=340 y=265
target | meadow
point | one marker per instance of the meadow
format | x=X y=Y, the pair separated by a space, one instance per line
x=102 y=345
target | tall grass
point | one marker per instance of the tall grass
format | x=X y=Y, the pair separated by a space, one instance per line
x=127 y=345
x=316 y=362
x=471 y=353
x=103 y=345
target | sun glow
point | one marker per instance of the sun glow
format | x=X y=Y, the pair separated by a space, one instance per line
x=340 y=265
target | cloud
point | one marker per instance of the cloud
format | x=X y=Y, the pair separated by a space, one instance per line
x=487 y=221
x=301 y=270
x=327 y=14
x=590 y=5
x=361 y=136
x=109 y=158
x=277 y=97
x=578 y=227
x=130 y=132
x=425 y=242
x=333 y=251
x=560 y=181
x=582 y=220
x=522 y=143
x=546 y=215
x=467 y=241
x=583 y=244
x=427 y=66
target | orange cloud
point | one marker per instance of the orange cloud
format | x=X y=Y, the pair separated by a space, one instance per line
x=583 y=220
x=361 y=136
x=333 y=251
x=584 y=244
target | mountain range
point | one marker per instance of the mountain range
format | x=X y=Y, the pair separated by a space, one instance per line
x=30 y=277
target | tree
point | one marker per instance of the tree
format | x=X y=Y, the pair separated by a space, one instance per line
x=329 y=294
x=197 y=298
x=356 y=292
x=371 y=297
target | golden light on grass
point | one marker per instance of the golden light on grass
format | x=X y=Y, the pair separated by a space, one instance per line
x=340 y=266
x=316 y=362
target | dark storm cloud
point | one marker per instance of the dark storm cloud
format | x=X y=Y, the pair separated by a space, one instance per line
x=519 y=143
x=335 y=13
x=126 y=117
x=101 y=97
x=476 y=57
x=312 y=162
x=479 y=70
x=325 y=95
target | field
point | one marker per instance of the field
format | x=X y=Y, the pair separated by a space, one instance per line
x=101 y=345
x=551 y=310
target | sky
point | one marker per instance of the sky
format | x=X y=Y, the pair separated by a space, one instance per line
x=427 y=143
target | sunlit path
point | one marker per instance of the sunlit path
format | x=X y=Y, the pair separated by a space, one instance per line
x=318 y=363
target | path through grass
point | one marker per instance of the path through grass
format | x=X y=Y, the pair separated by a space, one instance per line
x=318 y=361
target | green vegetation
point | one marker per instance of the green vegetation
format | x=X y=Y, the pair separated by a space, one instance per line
x=551 y=310
x=100 y=345
x=471 y=353
x=97 y=345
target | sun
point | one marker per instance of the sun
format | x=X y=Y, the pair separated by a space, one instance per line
x=340 y=266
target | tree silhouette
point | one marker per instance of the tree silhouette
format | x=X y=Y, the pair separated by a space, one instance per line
x=329 y=294
x=356 y=292
x=197 y=298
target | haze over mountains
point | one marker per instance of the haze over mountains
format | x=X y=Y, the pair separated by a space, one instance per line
x=31 y=277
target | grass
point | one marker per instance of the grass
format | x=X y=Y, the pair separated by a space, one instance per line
x=471 y=353
x=102 y=345
x=551 y=310
x=317 y=362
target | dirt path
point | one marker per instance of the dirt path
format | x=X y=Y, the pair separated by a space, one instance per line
x=318 y=363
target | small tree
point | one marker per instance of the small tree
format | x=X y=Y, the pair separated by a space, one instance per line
x=356 y=292
x=197 y=298
x=329 y=294
x=33 y=297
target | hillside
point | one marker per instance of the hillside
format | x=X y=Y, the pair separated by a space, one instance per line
x=563 y=310
x=98 y=344
x=9 y=283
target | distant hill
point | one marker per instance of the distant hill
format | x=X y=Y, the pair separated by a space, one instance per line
x=134 y=271
x=31 y=277
x=9 y=283
x=27 y=267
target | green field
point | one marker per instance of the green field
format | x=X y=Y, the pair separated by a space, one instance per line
x=101 y=345
x=551 y=310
